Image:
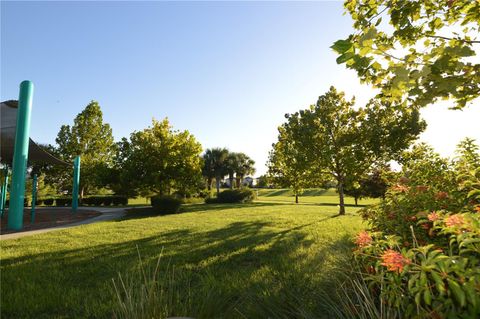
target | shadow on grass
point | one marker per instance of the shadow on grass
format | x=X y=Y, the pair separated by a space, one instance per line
x=279 y=192
x=282 y=201
x=253 y=269
x=194 y=208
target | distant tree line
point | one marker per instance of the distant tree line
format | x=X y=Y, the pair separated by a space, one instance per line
x=156 y=160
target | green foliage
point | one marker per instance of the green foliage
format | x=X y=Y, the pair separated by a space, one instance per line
x=416 y=52
x=243 y=195
x=333 y=140
x=218 y=162
x=88 y=137
x=166 y=204
x=262 y=181
x=422 y=255
x=159 y=160
x=105 y=200
x=48 y=201
x=63 y=201
x=245 y=166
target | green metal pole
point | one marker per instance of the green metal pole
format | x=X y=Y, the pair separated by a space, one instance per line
x=20 y=156
x=3 y=198
x=34 y=198
x=76 y=182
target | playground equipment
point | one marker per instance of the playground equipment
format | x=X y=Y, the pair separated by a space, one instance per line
x=16 y=149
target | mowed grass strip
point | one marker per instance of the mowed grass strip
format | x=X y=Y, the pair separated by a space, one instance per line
x=253 y=260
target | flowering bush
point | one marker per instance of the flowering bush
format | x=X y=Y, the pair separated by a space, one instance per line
x=421 y=254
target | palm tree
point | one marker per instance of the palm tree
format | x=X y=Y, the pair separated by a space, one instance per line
x=245 y=167
x=231 y=166
x=207 y=168
x=214 y=166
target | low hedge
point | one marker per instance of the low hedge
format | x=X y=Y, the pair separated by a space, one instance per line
x=233 y=196
x=166 y=204
x=105 y=201
x=66 y=201
x=120 y=200
x=48 y=201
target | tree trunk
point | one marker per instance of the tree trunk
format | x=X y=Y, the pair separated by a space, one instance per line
x=217 y=182
x=238 y=182
x=296 y=198
x=231 y=182
x=81 y=193
x=209 y=183
x=356 y=201
x=342 y=201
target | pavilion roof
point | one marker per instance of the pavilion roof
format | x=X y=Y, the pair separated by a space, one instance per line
x=8 y=126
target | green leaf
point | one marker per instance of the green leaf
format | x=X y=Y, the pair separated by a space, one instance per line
x=427 y=297
x=474 y=193
x=345 y=57
x=457 y=292
x=342 y=46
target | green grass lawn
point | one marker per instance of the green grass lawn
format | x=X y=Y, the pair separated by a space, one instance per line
x=310 y=196
x=266 y=259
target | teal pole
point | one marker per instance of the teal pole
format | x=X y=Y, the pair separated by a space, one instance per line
x=20 y=156
x=3 y=198
x=76 y=182
x=34 y=198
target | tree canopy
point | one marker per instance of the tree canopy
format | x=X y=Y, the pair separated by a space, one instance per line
x=416 y=52
x=159 y=159
x=332 y=139
x=89 y=138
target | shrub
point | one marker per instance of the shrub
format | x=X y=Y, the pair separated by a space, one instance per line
x=120 y=200
x=166 y=204
x=48 y=201
x=107 y=201
x=421 y=255
x=87 y=201
x=97 y=200
x=38 y=201
x=63 y=201
x=233 y=196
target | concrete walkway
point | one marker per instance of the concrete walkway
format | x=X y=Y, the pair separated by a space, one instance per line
x=107 y=214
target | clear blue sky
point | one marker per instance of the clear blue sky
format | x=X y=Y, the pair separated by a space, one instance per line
x=226 y=71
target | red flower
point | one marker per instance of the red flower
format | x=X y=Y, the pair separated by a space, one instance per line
x=363 y=239
x=433 y=216
x=454 y=220
x=394 y=261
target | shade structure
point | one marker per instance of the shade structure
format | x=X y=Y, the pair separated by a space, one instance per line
x=8 y=126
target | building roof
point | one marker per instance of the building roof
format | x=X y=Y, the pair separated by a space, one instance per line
x=8 y=126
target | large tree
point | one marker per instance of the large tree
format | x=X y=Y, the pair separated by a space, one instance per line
x=90 y=138
x=416 y=52
x=344 y=143
x=287 y=165
x=159 y=160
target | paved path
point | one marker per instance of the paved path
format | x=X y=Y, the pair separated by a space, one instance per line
x=107 y=214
